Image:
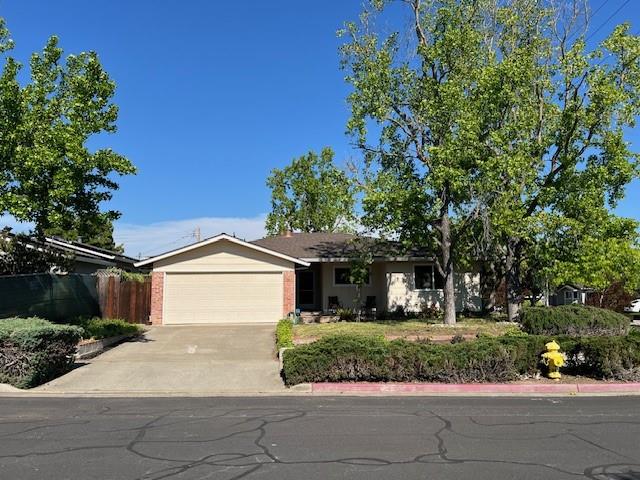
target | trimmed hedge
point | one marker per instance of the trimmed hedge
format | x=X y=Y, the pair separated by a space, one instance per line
x=352 y=358
x=284 y=334
x=34 y=351
x=98 y=328
x=345 y=358
x=573 y=320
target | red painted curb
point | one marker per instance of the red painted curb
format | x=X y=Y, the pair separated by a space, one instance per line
x=473 y=388
x=631 y=387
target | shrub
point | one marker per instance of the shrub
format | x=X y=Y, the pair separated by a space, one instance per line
x=284 y=334
x=346 y=314
x=611 y=358
x=348 y=358
x=514 y=331
x=98 y=328
x=127 y=276
x=34 y=351
x=363 y=358
x=573 y=320
x=429 y=311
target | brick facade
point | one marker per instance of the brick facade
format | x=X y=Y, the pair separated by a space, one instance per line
x=157 y=292
x=289 y=301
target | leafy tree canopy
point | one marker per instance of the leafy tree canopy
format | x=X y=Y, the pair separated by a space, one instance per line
x=48 y=175
x=97 y=231
x=601 y=258
x=20 y=254
x=310 y=195
x=492 y=118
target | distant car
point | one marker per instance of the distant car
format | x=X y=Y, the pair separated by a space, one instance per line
x=634 y=306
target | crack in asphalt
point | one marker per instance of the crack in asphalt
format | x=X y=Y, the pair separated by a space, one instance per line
x=256 y=424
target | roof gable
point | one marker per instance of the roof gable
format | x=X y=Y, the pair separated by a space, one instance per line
x=218 y=238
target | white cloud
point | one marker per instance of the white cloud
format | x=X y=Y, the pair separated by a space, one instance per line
x=155 y=238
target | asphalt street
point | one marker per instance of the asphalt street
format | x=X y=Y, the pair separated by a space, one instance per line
x=319 y=438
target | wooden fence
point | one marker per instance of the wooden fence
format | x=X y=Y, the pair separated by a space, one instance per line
x=129 y=300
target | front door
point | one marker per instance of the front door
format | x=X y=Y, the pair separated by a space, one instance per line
x=306 y=289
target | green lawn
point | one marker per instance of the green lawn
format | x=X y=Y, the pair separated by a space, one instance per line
x=407 y=328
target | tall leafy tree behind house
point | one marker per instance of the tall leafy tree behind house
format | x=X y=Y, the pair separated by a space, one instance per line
x=96 y=231
x=564 y=171
x=48 y=175
x=493 y=120
x=607 y=258
x=310 y=195
x=428 y=90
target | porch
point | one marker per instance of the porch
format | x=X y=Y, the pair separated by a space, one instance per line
x=324 y=287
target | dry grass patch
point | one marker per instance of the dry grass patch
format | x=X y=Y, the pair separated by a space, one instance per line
x=409 y=329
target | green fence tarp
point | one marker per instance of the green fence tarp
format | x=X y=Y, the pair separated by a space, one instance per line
x=50 y=296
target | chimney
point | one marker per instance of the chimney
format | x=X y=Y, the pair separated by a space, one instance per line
x=288 y=234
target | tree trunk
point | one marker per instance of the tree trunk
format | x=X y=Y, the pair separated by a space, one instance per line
x=488 y=285
x=447 y=267
x=512 y=280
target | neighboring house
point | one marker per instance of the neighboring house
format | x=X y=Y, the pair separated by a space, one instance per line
x=569 y=294
x=89 y=259
x=84 y=258
x=224 y=279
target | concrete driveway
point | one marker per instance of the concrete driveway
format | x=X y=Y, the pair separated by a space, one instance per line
x=224 y=359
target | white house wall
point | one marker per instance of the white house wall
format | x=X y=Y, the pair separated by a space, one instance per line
x=347 y=293
x=401 y=289
x=392 y=283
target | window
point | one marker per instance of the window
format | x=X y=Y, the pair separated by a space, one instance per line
x=427 y=277
x=341 y=276
x=423 y=277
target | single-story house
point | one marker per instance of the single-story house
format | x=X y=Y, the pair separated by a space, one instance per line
x=226 y=280
x=90 y=259
x=569 y=294
x=84 y=258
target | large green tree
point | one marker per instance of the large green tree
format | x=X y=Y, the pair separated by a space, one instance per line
x=606 y=257
x=565 y=168
x=310 y=195
x=494 y=121
x=428 y=90
x=48 y=175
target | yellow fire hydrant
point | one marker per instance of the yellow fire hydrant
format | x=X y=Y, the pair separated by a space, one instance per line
x=553 y=359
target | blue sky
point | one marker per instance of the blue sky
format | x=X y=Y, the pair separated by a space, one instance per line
x=212 y=96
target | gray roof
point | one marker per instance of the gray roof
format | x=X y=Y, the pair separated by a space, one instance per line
x=325 y=245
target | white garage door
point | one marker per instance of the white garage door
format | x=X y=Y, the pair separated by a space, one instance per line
x=222 y=298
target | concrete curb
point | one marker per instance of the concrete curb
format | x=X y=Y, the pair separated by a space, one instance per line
x=94 y=348
x=364 y=388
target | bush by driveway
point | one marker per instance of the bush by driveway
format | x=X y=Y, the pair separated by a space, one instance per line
x=34 y=351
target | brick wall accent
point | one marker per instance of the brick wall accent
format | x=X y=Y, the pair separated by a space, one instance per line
x=157 y=292
x=289 y=301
